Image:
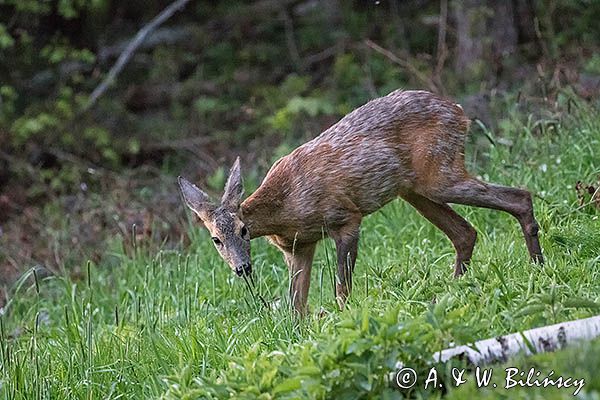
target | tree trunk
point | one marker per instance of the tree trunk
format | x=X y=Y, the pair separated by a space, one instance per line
x=486 y=37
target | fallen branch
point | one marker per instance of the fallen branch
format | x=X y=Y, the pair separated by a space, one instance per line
x=130 y=49
x=162 y=36
x=538 y=340
x=501 y=348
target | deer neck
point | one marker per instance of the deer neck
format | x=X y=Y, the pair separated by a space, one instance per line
x=261 y=213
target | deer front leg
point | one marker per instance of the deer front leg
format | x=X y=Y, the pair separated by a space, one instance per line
x=346 y=243
x=299 y=261
x=459 y=231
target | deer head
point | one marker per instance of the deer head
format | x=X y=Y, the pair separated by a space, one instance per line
x=229 y=233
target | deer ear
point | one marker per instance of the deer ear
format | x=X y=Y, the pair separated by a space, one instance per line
x=194 y=198
x=234 y=188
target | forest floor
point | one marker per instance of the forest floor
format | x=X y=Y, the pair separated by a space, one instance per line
x=147 y=322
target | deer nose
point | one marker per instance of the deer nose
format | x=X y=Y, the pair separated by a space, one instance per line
x=245 y=268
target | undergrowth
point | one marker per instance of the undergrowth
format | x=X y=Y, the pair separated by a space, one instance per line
x=178 y=324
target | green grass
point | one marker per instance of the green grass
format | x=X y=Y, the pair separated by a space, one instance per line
x=179 y=324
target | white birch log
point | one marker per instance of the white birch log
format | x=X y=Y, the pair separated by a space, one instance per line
x=538 y=340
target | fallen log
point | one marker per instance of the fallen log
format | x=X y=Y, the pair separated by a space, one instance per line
x=501 y=348
x=538 y=340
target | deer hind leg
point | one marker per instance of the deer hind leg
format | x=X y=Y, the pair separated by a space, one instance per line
x=462 y=235
x=516 y=202
x=346 y=244
x=299 y=261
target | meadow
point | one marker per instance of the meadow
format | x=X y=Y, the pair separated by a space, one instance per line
x=177 y=323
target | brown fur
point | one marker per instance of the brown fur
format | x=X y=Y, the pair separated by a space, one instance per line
x=408 y=144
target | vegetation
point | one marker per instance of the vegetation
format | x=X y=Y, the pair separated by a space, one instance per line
x=108 y=290
x=176 y=324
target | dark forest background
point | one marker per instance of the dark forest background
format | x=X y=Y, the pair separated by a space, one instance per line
x=255 y=79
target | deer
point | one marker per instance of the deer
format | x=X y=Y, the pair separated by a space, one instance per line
x=408 y=144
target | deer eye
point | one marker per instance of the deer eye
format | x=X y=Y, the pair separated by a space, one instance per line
x=216 y=241
x=244 y=232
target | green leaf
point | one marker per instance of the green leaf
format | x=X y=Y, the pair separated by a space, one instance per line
x=288 y=385
x=134 y=146
x=529 y=310
x=347 y=324
x=365 y=320
x=6 y=40
x=66 y=8
x=308 y=370
x=580 y=302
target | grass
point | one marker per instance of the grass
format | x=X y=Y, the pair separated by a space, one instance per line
x=179 y=324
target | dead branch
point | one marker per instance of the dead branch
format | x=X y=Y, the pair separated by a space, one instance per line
x=325 y=54
x=404 y=64
x=17 y=161
x=290 y=39
x=442 y=49
x=259 y=9
x=148 y=95
x=178 y=144
x=130 y=49
x=161 y=36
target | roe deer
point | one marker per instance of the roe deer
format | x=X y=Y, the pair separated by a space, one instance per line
x=408 y=144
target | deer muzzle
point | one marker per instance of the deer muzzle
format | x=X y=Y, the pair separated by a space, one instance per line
x=243 y=269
